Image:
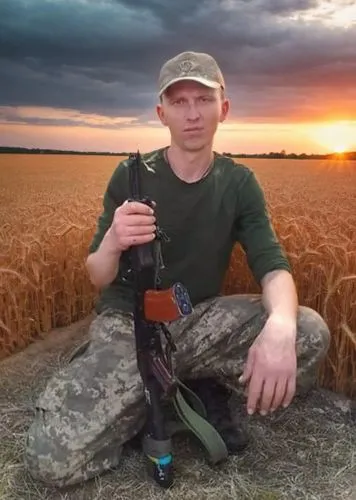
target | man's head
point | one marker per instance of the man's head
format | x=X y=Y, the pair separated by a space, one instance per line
x=192 y=99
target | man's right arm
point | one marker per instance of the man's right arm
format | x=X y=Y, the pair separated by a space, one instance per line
x=103 y=264
x=120 y=225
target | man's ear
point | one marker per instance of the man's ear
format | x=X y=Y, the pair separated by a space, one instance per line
x=160 y=114
x=224 y=109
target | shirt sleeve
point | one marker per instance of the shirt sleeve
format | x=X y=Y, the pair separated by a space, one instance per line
x=113 y=197
x=254 y=231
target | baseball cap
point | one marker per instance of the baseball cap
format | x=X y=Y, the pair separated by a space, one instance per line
x=189 y=65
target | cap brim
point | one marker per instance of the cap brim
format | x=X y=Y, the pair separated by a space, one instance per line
x=203 y=81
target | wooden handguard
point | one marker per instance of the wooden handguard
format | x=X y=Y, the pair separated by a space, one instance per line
x=160 y=305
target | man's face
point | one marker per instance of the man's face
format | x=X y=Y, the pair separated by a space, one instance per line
x=192 y=113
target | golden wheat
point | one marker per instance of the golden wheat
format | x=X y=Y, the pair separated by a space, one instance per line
x=48 y=210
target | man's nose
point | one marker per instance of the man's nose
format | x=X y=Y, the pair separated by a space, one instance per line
x=192 y=112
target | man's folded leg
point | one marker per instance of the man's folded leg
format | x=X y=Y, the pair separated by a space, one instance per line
x=88 y=409
x=215 y=340
x=215 y=343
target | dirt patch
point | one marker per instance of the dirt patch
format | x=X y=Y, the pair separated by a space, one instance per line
x=305 y=452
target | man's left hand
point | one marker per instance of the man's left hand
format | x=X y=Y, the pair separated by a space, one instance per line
x=271 y=367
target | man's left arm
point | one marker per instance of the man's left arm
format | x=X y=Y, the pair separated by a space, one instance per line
x=270 y=369
x=279 y=296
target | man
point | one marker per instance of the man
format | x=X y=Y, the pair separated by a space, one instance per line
x=204 y=203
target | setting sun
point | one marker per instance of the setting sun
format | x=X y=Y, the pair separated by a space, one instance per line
x=339 y=149
x=337 y=137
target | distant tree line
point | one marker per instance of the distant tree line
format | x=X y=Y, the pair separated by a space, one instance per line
x=18 y=150
x=349 y=155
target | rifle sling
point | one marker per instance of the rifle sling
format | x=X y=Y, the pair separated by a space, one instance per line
x=193 y=418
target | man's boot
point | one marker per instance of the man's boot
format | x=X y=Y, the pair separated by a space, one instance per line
x=215 y=398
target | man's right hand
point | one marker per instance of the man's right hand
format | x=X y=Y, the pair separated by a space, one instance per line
x=133 y=224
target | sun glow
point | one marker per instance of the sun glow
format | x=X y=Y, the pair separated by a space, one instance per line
x=339 y=149
x=337 y=137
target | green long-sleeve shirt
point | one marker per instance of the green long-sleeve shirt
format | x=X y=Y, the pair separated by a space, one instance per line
x=203 y=220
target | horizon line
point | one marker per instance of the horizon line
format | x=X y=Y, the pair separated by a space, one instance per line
x=273 y=154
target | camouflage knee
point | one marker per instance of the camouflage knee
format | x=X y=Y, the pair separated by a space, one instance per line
x=313 y=342
x=49 y=461
x=44 y=460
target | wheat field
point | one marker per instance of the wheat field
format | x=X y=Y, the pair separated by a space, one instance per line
x=48 y=210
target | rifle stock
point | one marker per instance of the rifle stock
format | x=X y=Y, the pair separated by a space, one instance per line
x=152 y=308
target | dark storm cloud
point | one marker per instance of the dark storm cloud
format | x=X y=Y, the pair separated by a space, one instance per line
x=286 y=6
x=104 y=56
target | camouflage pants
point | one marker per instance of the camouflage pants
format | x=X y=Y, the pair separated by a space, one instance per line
x=95 y=404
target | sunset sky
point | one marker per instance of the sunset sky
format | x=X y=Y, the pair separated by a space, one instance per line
x=82 y=74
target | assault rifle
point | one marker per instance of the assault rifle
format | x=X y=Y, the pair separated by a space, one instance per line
x=153 y=308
